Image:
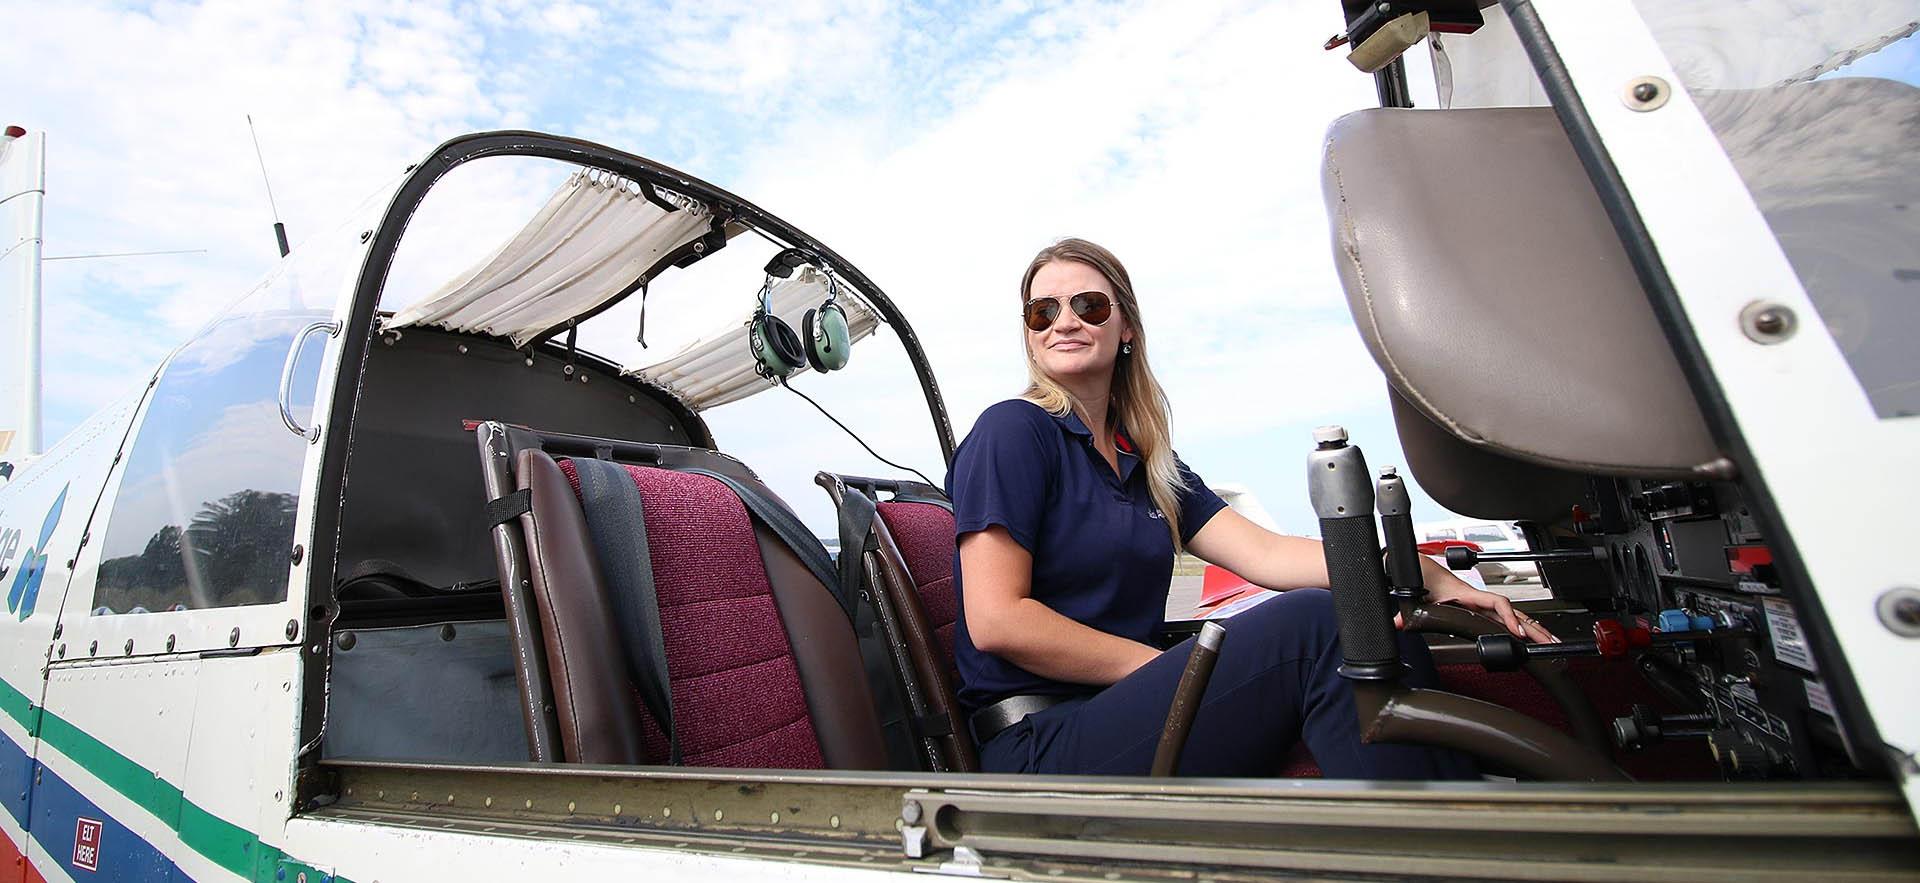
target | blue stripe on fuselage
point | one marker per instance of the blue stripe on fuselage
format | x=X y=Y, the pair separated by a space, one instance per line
x=57 y=810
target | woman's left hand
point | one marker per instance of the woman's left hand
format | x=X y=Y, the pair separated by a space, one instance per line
x=1444 y=587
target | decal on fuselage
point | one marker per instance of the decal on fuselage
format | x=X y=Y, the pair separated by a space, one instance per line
x=9 y=545
x=86 y=843
x=25 y=592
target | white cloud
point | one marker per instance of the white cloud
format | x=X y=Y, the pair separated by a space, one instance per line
x=1179 y=137
x=936 y=150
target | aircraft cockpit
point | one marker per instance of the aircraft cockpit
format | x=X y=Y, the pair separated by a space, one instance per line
x=445 y=509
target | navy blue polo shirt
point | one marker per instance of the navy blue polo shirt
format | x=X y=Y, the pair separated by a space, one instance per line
x=1101 y=553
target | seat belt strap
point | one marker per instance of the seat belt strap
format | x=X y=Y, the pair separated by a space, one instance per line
x=501 y=510
x=856 y=534
x=616 y=521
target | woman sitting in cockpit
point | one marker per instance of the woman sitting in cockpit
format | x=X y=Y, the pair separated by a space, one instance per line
x=1070 y=504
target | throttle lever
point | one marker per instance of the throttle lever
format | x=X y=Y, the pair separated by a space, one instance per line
x=1610 y=640
x=1465 y=557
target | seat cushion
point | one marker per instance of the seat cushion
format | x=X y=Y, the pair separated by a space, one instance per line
x=737 y=694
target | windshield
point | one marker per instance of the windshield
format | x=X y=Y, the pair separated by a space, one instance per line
x=1818 y=106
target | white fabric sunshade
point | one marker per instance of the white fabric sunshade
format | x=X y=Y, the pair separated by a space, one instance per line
x=719 y=367
x=591 y=240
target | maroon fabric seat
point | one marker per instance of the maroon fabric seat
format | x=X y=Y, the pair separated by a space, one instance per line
x=924 y=534
x=763 y=664
x=907 y=564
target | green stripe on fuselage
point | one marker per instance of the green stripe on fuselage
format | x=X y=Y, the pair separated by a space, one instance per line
x=18 y=706
x=222 y=842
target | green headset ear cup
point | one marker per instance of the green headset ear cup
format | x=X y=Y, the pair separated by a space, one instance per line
x=829 y=341
x=812 y=345
x=775 y=346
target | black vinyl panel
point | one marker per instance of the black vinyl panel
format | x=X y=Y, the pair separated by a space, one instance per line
x=413 y=493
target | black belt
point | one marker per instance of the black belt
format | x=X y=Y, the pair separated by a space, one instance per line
x=989 y=721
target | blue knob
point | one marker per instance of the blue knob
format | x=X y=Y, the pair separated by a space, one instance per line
x=1674 y=620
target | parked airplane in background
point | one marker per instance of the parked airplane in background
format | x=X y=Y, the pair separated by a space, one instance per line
x=384 y=576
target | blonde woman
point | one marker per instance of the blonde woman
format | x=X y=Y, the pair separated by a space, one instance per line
x=1070 y=504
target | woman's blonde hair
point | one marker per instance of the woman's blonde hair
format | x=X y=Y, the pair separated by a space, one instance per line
x=1138 y=403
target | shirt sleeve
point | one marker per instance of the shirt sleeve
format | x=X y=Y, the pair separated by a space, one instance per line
x=1000 y=473
x=1198 y=503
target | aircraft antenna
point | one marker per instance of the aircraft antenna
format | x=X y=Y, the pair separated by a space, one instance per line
x=279 y=229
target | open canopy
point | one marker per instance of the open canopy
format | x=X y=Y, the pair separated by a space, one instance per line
x=596 y=240
x=589 y=245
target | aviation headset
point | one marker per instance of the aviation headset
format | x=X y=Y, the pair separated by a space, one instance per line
x=824 y=341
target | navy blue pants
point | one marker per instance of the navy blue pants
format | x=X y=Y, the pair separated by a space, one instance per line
x=1276 y=682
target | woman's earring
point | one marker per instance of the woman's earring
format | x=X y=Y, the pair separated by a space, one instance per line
x=1126 y=349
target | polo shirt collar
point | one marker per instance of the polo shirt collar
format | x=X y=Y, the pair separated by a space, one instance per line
x=1128 y=460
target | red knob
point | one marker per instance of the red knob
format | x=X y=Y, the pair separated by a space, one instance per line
x=1610 y=637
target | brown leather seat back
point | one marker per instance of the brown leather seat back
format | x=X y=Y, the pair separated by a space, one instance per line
x=763 y=664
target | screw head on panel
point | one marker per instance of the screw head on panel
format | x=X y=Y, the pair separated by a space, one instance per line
x=1646 y=93
x=1899 y=610
x=1768 y=323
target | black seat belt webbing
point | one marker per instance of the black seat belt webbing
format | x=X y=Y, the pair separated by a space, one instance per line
x=857 y=538
x=616 y=520
x=856 y=533
x=501 y=510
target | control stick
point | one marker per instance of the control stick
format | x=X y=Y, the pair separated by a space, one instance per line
x=1403 y=551
x=1388 y=709
x=1343 y=499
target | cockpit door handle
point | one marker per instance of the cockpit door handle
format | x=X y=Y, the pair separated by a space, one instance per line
x=311 y=434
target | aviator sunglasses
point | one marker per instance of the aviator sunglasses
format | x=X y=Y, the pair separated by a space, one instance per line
x=1092 y=307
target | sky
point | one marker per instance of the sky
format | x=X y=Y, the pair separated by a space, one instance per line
x=937 y=147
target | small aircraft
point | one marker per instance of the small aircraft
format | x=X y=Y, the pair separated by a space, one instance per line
x=384 y=576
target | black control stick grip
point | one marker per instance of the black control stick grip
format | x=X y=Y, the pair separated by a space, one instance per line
x=1403 y=550
x=1342 y=494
